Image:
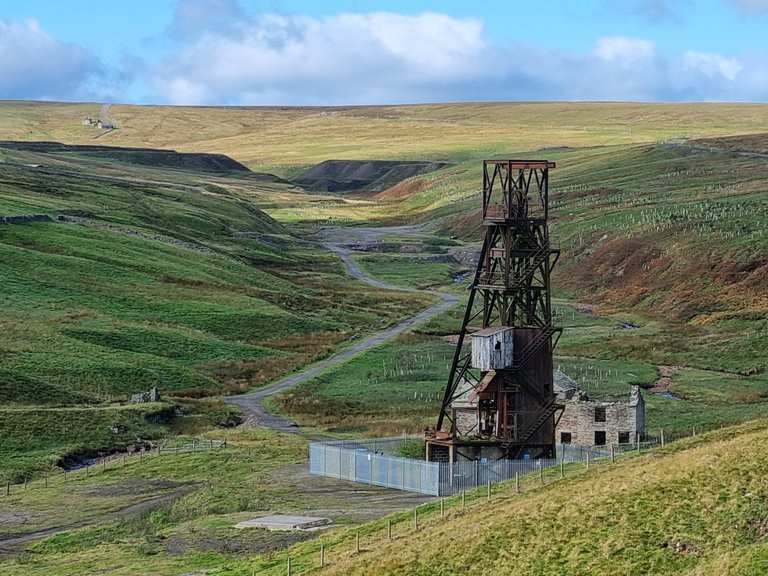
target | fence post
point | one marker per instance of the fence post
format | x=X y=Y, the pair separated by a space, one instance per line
x=637 y=441
x=588 y=455
x=694 y=430
x=416 y=518
x=488 y=492
x=463 y=498
x=357 y=542
x=517 y=481
x=442 y=506
x=613 y=454
x=389 y=528
x=289 y=566
x=662 y=437
x=477 y=472
x=322 y=554
x=541 y=473
x=562 y=468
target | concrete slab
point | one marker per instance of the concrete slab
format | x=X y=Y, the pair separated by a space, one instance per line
x=285 y=522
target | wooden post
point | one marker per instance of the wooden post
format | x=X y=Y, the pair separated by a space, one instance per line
x=517 y=482
x=694 y=430
x=25 y=483
x=357 y=542
x=588 y=454
x=416 y=518
x=541 y=473
x=442 y=506
x=662 y=437
x=562 y=468
x=389 y=528
x=463 y=498
x=613 y=454
x=488 y=490
x=637 y=441
x=289 y=566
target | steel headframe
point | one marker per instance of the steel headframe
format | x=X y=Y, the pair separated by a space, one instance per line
x=512 y=278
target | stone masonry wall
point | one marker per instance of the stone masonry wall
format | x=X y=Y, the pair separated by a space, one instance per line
x=579 y=419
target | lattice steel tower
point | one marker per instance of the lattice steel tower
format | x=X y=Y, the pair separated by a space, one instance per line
x=499 y=401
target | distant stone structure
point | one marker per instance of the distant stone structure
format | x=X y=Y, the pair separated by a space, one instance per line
x=597 y=422
x=584 y=421
x=99 y=123
x=103 y=122
x=143 y=397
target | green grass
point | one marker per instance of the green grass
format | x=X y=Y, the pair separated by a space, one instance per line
x=394 y=387
x=219 y=488
x=694 y=508
x=35 y=439
x=412 y=272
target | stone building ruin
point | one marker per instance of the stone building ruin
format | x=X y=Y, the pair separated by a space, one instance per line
x=585 y=421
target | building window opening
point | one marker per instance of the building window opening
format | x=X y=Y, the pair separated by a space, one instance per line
x=497 y=346
x=599 y=413
x=599 y=437
x=623 y=437
x=565 y=437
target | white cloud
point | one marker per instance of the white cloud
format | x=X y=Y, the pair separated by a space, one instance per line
x=356 y=57
x=386 y=57
x=712 y=65
x=36 y=66
x=625 y=51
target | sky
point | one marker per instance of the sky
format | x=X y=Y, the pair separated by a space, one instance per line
x=342 y=52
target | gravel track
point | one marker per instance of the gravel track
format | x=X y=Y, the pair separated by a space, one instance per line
x=252 y=403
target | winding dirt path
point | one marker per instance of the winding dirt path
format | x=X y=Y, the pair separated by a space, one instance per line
x=252 y=403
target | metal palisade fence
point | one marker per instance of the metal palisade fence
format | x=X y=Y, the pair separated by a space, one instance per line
x=378 y=463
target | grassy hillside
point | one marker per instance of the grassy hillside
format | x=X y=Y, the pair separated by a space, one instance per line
x=284 y=137
x=695 y=508
x=156 y=273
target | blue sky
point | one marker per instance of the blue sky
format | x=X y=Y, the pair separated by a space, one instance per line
x=240 y=52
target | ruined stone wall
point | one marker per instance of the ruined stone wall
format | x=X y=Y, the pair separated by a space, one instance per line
x=579 y=420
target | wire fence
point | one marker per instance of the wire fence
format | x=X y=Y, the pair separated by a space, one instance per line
x=380 y=462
